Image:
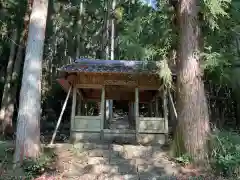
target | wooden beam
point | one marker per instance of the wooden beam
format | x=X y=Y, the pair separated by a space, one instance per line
x=61 y=114
x=99 y=86
x=102 y=111
x=172 y=103
x=118 y=95
x=89 y=86
x=142 y=81
x=73 y=112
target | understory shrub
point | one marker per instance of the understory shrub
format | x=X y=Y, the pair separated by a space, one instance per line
x=225 y=153
x=36 y=167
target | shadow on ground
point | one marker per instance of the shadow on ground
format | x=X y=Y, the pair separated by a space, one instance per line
x=107 y=161
x=100 y=161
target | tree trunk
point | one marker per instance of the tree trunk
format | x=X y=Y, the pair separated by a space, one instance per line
x=79 y=47
x=28 y=123
x=6 y=124
x=107 y=54
x=17 y=67
x=193 y=117
x=112 y=53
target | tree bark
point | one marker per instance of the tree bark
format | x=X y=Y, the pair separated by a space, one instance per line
x=6 y=124
x=79 y=44
x=28 y=122
x=8 y=116
x=193 y=117
x=112 y=53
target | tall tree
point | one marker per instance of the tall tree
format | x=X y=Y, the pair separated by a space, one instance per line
x=112 y=52
x=193 y=129
x=14 y=84
x=107 y=19
x=79 y=46
x=6 y=123
x=28 y=122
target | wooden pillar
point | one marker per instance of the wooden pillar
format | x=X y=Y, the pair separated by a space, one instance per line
x=107 y=110
x=73 y=112
x=79 y=108
x=129 y=111
x=165 y=110
x=150 y=109
x=86 y=107
x=131 y=115
x=106 y=122
x=156 y=107
x=102 y=111
x=137 y=109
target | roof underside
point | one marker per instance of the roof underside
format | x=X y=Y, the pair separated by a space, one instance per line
x=111 y=66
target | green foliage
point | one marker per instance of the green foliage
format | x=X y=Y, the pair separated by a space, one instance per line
x=225 y=154
x=34 y=167
x=184 y=159
x=213 y=10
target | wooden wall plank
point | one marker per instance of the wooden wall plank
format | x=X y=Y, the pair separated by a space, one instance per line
x=139 y=80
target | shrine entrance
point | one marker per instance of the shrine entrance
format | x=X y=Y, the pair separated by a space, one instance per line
x=140 y=110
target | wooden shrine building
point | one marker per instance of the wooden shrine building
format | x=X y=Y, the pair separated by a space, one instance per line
x=134 y=82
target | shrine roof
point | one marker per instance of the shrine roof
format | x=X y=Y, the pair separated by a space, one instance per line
x=111 y=66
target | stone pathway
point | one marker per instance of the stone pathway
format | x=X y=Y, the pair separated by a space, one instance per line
x=118 y=162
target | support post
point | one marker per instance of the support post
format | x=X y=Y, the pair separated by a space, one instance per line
x=106 y=122
x=79 y=108
x=156 y=107
x=60 y=117
x=150 y=109
x=137 y=111
x=129 y=112
x=172 y=103
x=131 y=115
x=102 y=111
x=107 y=110
x=165 y=110
x=73 y=112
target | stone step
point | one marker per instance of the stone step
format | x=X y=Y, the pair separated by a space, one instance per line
x=98 y=153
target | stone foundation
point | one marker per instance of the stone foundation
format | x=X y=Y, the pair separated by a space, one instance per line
x=121 y=137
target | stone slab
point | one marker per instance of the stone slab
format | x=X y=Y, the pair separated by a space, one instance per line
x=118 y=177
x=84 y=136
x=126 y=168
x=90 y=146
x=131 y=151
x=153 y=139
x=98 y=153
x=148 y=176
x=97 y=160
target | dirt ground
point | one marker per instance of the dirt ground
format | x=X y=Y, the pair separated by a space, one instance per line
x=93 y=161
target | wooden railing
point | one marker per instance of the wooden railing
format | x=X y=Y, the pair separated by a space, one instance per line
x=152 y=125
x=87 y=123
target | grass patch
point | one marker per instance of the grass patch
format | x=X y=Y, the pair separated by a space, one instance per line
x=29 y=169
